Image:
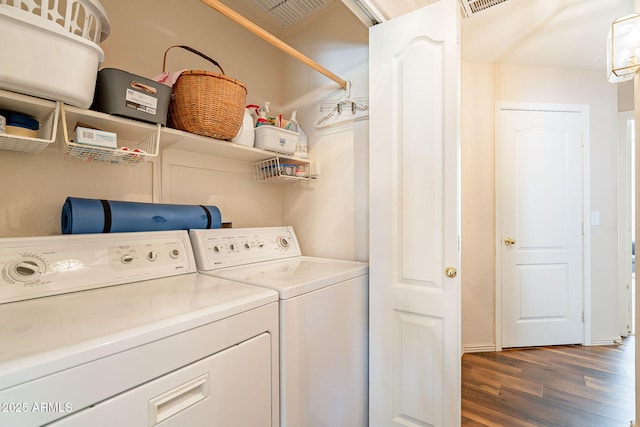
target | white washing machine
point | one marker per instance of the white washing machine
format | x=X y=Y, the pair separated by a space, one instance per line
x=120 y=329
x=323 y=320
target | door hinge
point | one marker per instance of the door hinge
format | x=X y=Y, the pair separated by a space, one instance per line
x=583 y=315
x=582 y=228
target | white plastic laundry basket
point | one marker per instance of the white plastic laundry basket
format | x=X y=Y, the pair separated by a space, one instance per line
x=54 y=57
x=84 y=18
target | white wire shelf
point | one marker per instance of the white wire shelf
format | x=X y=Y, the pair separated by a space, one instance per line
x=138 y=142
x=276 y=172
x=46 y=112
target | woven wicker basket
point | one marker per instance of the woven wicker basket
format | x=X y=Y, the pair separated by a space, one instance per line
x=206 y=103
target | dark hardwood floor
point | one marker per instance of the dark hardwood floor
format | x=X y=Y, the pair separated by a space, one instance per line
x=557 y=386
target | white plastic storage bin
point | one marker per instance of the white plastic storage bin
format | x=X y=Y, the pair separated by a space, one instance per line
x=43 y=58
x=276 y=139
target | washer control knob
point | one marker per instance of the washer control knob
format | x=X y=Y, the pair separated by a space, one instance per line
x=152 y=256
x=26 y=270
x=126 y=259
x=174 y=253
x=283 y=242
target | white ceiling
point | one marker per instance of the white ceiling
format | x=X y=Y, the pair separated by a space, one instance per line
x=549 y=33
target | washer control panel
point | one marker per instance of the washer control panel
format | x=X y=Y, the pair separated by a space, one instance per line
x=226 y=247
x=33 y=267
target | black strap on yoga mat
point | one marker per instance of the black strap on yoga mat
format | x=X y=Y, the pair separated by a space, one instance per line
x=208 y=215
x=107 y=216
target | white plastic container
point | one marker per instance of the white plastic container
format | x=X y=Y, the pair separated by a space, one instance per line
x=246 y=136
x=43 y=59
x=276 y=139
x=302 y=145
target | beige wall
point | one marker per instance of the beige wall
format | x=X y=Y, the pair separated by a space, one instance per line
x=482 y=86
x=35 y=186
x=330 y=215
x=625 y=95
x=143 y=29
x=478 y=205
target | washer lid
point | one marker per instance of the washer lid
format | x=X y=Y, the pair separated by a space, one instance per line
x=46 y=335
x=294 y=276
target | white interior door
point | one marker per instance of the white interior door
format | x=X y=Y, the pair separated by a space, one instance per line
x=540 y=228
x=414 y=219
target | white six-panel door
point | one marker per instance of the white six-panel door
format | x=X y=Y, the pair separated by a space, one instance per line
x=540 y=224
x=414 y=219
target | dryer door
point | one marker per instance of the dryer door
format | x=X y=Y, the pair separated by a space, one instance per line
x=231 y=388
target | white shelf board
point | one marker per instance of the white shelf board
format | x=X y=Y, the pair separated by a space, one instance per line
x=134 y=131
x=186 y=141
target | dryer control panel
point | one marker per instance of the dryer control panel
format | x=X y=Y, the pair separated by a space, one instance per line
x=32 y=267
x=227 y=247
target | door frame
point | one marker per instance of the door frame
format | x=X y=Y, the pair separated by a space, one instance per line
x=625 y=221
x=583 y=110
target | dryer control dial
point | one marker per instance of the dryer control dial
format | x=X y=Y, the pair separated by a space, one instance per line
x=27 y=269
x=283 y=242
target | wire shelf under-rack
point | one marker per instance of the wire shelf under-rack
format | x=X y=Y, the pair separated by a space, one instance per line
x=106 y=155
x=141 y=145
x=45 y=111
x=275 y=172
x=144 y=151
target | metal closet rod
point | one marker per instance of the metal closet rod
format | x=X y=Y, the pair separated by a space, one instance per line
x=265 y=35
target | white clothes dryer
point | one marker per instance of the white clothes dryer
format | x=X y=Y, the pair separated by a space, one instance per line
x=120 y=329
x=323 y=320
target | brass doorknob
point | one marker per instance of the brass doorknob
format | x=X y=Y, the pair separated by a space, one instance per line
x=451 y=272
x=509 y=241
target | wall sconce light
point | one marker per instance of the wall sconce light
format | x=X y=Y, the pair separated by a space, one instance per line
x=623 y=48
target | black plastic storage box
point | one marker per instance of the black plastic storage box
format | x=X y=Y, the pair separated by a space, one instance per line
x=124 y=94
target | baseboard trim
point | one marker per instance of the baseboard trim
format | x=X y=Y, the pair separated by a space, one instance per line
x=482 y=348
x=606 y=341
x=479 y=348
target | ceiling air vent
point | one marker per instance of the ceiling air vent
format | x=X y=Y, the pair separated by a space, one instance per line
x=288 y=12
x=472 y=7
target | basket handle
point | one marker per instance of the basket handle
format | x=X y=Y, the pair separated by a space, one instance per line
x=190 y=49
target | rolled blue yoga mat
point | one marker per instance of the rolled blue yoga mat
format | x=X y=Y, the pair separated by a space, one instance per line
x=81 y=216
